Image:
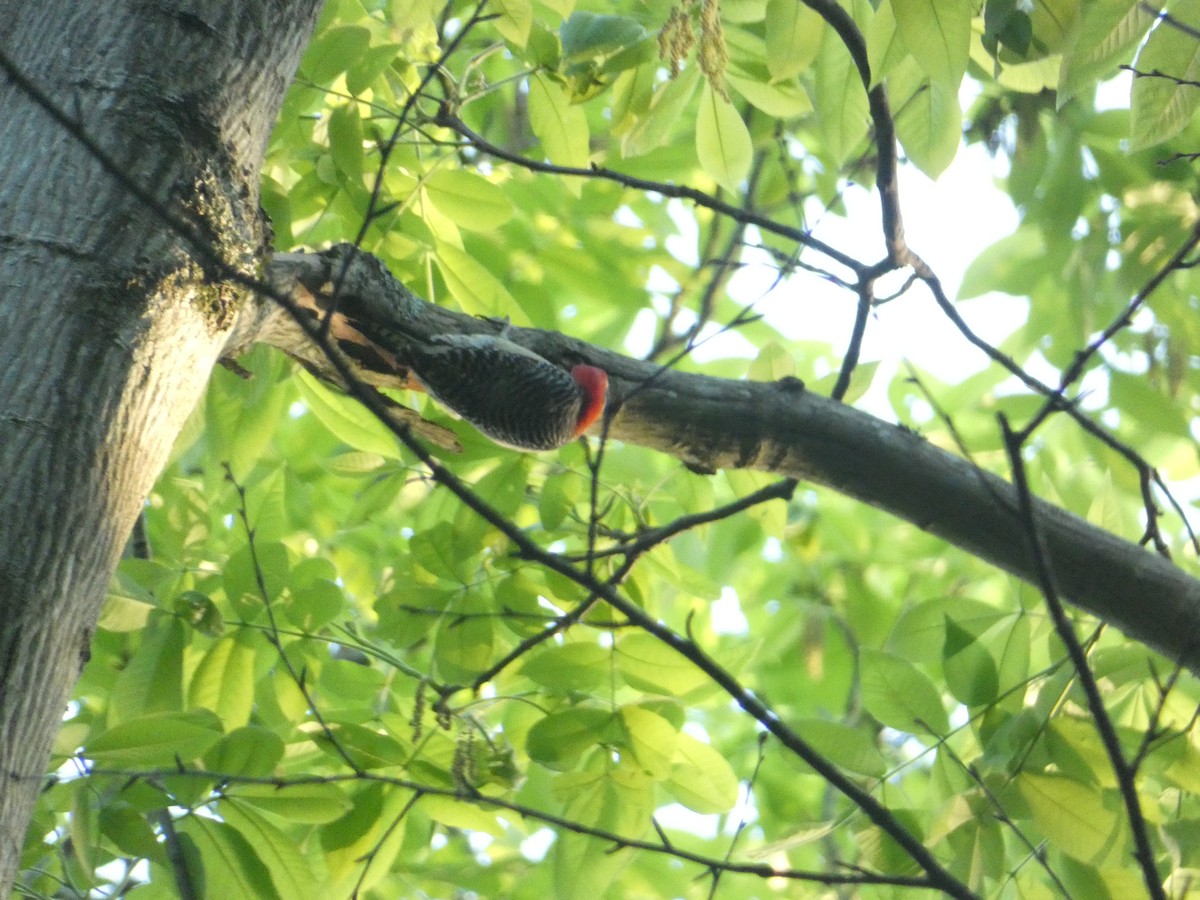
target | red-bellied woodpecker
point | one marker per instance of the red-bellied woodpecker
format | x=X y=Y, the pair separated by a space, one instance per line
x=511 y=394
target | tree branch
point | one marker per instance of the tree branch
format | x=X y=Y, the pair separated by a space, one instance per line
x=711 y=423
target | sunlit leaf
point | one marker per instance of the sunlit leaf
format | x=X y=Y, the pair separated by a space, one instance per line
x=346 y=140
x=348 y=420
x=1108 y=35
x=701 y=778
x=937 y=34
x=225 y=864
x=1073 y=816
x=288 y=867
x=561 y=738
x=472 y=202
x=251 y=750
x=571 y=667
x=650 y=665
x=311 y=804
x=515 y=20
x=224 y=680
x=1163 y=106
x=793 y=38
x=155 y=739
x=561 y=127
x=722 y=140
x=651 y=738
x=898 y=694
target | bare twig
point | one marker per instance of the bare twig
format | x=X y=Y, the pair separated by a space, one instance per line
x=1125 y=775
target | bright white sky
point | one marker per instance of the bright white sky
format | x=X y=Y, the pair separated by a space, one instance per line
x=948 y=222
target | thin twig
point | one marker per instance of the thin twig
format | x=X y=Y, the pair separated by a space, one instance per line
x=1126 y=782
x=297 y=676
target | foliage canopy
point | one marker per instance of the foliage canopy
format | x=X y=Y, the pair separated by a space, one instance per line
x=330 y=678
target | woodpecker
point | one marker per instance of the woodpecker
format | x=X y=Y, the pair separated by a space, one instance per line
x=514 y=396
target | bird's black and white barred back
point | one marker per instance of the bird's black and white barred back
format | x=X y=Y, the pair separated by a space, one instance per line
x=511 y=394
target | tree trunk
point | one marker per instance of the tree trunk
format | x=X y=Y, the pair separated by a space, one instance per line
x=110 y=315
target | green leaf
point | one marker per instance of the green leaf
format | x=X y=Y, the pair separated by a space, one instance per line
x=241 y=418
x=129 y=831
x=123 y=613
x=1013 y=264
x=1163 y=107
x=455 y=813
x=723 y=143
x=349 y=681
x=860 y=381
x=609 y=800
x=200 y=612
x=561 y=738
x=937 y=33
x=1137 y=398
x=1109 y=34
x=221 y=862
x=315 y=605
x=346 y=140
x=152 y=681
x=648 y=664
x=464 y=642
x=786 y=100
x=84 y=823
x=651 y=738
x=842 y=100
x=701 y=778
x=1007 y=26
x=571 y=667
x=515 y=20
x=587 y=35
x=575 y=853
x=353 y=463
x=361 y=846
x=928 y=121
x=367 y=747
x=347 y=419
x=971 y=672
x=224 y=680
x=307 y=804
x=475 y=288
x=899 y=695
x=852 y=749
x=290 y=872
x=469 y=200
x=269 y=561
x=561 y=127
x=885 y=49
x=333 y=52
x=367 y=70
x=155 y=739
x=250 y=751
x=1073 y=817
x=632 y=93
x=557 y=498
x=666 y=108
x=793 y=38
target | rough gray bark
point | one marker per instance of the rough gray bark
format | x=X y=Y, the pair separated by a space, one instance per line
x=109 y=322
x=713 y=423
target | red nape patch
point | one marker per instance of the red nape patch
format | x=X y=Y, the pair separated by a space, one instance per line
x=595 y=388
